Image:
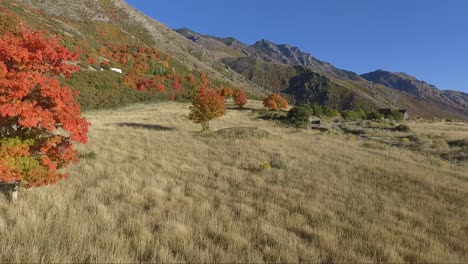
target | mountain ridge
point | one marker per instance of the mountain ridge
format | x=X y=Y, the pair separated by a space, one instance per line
x=274 y=66
x=421 y=89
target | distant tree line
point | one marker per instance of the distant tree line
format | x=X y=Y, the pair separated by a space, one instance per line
x=299 y=116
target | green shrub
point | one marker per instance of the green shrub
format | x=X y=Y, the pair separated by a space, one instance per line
x=299 y=116
x=316 y=110
x=330 y=112
x=354 y=114
x=396 y=115
x=103 y=89
x=374 y=116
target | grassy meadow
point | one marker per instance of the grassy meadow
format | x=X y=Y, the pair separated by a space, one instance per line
x=150 y=187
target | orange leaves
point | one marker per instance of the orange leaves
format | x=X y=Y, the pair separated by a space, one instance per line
x=36 y=108
x=226 y=92
x=3 y=70
x=207 y=105
x=275 y=102
x=240 y=99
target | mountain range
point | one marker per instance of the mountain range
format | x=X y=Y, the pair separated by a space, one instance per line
x=284 y=68
x=261 y=68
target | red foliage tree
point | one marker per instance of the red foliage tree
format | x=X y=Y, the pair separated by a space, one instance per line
x=240 y=99
x=206 y=106
x=275 y=102
x=39 y=119
x=226 y=92
x=151 y=84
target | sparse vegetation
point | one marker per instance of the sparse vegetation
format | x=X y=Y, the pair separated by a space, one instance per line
x=354 y=114
x=275 y=102
x=357 y=187
x=320 y=197
x=299 y=116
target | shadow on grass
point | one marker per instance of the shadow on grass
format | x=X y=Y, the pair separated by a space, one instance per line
x=239 y=109
x=146 y=126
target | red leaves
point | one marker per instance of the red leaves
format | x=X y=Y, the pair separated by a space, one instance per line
x=176 y=85
x=275 y=102
x=3 y=70
x=240 y=99
x=151 y=84
x=32 y=51
x=35 y=107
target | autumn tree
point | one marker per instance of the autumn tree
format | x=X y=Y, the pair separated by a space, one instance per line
x=240 y=99
x=39 y=119
x=226 y=92
x=275 y=102
x=206 y=106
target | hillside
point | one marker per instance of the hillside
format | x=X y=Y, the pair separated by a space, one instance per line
x=267 y=51
x=118 y=12
x=98 y=27
x=106 y=33
x=278 y=67
x=455 y=101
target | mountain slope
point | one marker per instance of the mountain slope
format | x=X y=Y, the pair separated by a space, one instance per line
x=449 y=101
x=268 y=52
x=260 y=68
x=117 y=13
x=285 y=68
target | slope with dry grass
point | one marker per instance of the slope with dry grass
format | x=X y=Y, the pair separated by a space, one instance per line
x=150 y=187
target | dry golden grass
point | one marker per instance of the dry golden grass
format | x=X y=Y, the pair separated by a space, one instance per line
x=450 y=130
x=160 y=191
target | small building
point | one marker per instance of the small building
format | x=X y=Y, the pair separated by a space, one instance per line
x=405 y=113
x=116 y=70
x=385 y=111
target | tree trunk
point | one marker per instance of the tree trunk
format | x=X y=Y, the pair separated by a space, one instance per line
x=10 y=189
x=205 y=126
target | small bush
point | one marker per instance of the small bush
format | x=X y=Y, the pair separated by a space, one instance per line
x=277 y=162
x=299 y=116
x=265 y=166
x=207 y=105
x=275 y=102
x=403 y=128
x=330 y=112
x=240 y=99
x=396 y=116
x=374 y=116
x=354 y=114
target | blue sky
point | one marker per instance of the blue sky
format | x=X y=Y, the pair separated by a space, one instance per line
x=424 y=38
